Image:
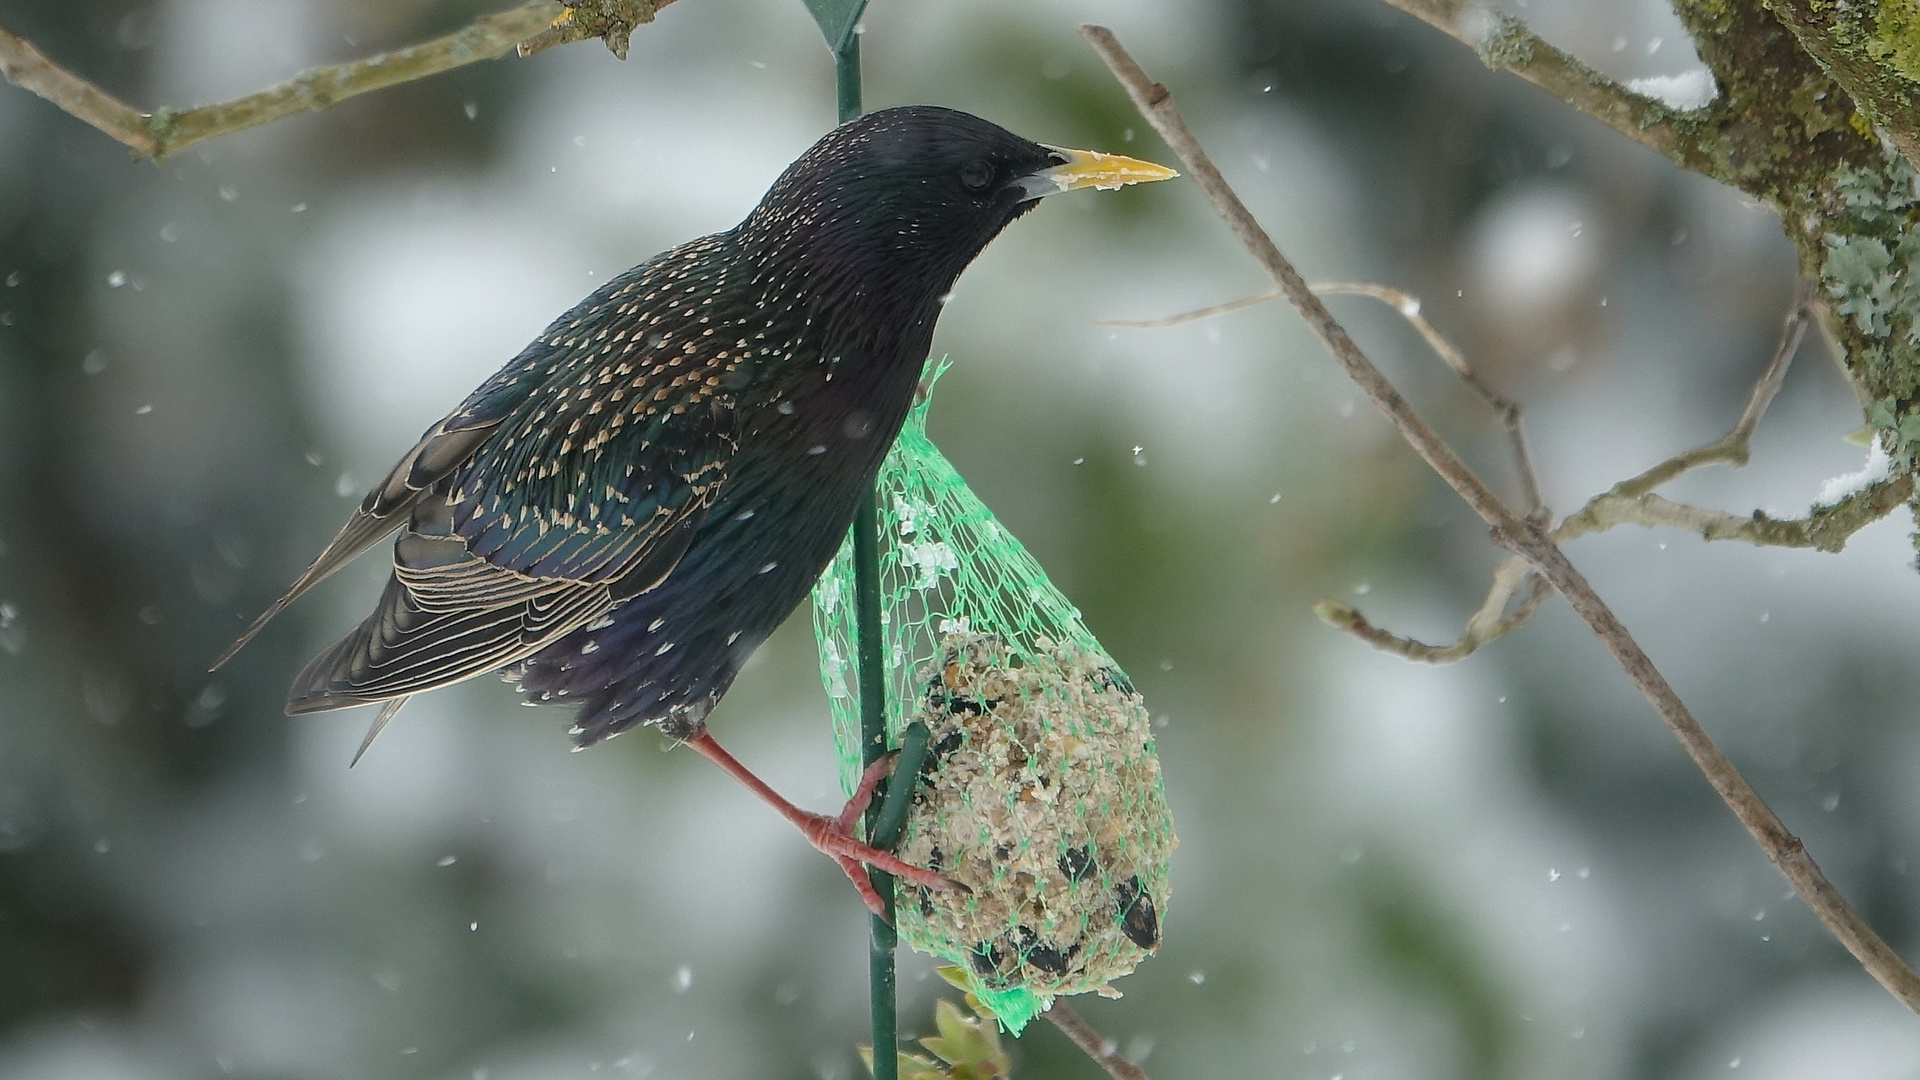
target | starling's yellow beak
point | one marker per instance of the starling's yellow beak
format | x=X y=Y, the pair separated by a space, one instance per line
x=1091 y=168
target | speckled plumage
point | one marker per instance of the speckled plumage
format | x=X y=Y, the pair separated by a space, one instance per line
x=625 y=511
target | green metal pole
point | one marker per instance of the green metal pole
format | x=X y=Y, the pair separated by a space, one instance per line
x=881 y=941
x=846 y=71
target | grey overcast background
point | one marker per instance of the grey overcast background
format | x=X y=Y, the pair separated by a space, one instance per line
x=1500 y=869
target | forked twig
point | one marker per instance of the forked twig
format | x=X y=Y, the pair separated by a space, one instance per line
x=1408 y=305
x=1630 y=502
x=1525 y=537
x=1491 y=622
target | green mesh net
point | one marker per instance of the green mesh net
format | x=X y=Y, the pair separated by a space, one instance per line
x=1041 y=792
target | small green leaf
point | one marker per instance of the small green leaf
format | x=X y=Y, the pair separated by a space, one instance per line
x=960 y=1041
x=956 y=977
x=837 y=19
x=908 y=1066
x=953 y=974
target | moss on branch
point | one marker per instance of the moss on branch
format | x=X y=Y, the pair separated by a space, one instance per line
x=1873 y=50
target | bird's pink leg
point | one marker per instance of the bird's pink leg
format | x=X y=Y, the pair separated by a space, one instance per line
x=834 y=836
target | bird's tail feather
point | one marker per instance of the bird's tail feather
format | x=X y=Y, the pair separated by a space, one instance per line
x=379 y=723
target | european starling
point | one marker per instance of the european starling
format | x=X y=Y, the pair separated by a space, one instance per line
x=617 y=518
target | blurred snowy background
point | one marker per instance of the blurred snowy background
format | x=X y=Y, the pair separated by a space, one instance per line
x=1501 y=869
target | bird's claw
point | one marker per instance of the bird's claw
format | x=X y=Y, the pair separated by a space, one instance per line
x=827 y=834
x=832 y=835
x=877 y=770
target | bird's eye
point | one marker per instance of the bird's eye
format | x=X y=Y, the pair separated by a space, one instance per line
x=977 y=175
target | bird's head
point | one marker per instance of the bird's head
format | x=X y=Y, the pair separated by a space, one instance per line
x=890 y=207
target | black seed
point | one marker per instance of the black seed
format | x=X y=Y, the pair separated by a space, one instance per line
x=985 y=958
x=1075 y=864
x=957 y=705
x=948 y=744
x=1137 y=919
x=1047 y=959
x=926 y=902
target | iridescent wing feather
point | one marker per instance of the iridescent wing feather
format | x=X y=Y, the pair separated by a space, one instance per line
x=587 y=491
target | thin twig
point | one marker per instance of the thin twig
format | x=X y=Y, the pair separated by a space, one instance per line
x=1507 y=409
x=1525 y=537
x=1734 y=447
x=168 y=131
x=1196 y=314
x=1408 y=305
x=1492 y=620
x=28 y=68
x=1103 y=1052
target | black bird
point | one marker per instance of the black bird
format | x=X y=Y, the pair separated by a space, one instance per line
x=617 y=518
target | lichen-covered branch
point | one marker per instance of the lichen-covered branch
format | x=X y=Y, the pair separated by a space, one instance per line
x=165 y=131
x=1785 y=130
x=1505 y=44
x=1526 y=537
x=612 y=21
x=1776 y=130
x=1827 y=528
x=1873 y=50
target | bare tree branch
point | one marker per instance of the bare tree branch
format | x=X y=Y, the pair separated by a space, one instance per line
x=1631 y=502
x=531 y=27
x=1103 y=1052
x=1526 y=537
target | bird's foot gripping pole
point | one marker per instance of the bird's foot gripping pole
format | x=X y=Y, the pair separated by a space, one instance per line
x=832 y=835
